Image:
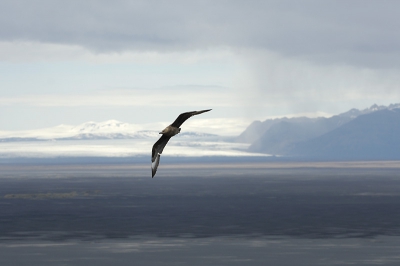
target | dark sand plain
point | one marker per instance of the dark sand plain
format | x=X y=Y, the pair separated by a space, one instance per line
x=274 y=213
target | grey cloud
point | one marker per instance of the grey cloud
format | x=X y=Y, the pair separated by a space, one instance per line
x=354 y=32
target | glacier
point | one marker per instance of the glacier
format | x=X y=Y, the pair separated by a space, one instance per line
x=112 y=138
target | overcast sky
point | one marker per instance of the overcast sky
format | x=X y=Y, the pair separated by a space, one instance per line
x=147 y=61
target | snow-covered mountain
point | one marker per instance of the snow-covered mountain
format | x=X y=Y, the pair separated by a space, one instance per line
x=111 y=129
x=111 y=139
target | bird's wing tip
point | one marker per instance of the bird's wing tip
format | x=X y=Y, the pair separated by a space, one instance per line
x=203 y=111
x=154 y=165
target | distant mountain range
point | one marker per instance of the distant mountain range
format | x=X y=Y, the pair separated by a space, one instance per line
x=111 y=129
x=369 y=134
x=372 y=133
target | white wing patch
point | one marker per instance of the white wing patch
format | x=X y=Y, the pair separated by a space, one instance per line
x=154 y=165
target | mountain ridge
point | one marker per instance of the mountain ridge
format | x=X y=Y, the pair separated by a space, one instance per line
x=257 y=128
x=332 y=138
x=370 y=136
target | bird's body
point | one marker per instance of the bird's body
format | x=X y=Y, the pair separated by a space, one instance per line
x=170 y=131
x=167 y=133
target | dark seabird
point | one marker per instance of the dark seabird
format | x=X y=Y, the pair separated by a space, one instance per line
x=167 y=133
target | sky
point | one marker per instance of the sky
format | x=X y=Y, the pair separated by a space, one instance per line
x=144 y=62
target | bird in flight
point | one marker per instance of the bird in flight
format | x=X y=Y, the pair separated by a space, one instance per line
x=167 y=133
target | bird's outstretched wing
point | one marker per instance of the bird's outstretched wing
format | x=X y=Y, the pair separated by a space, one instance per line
x=154 y=165
x=185 y=116
x=158 y=148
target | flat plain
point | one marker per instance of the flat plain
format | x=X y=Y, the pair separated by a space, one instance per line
x=226 y=214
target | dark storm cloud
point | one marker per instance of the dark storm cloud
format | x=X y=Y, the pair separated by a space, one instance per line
x=349 y=32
